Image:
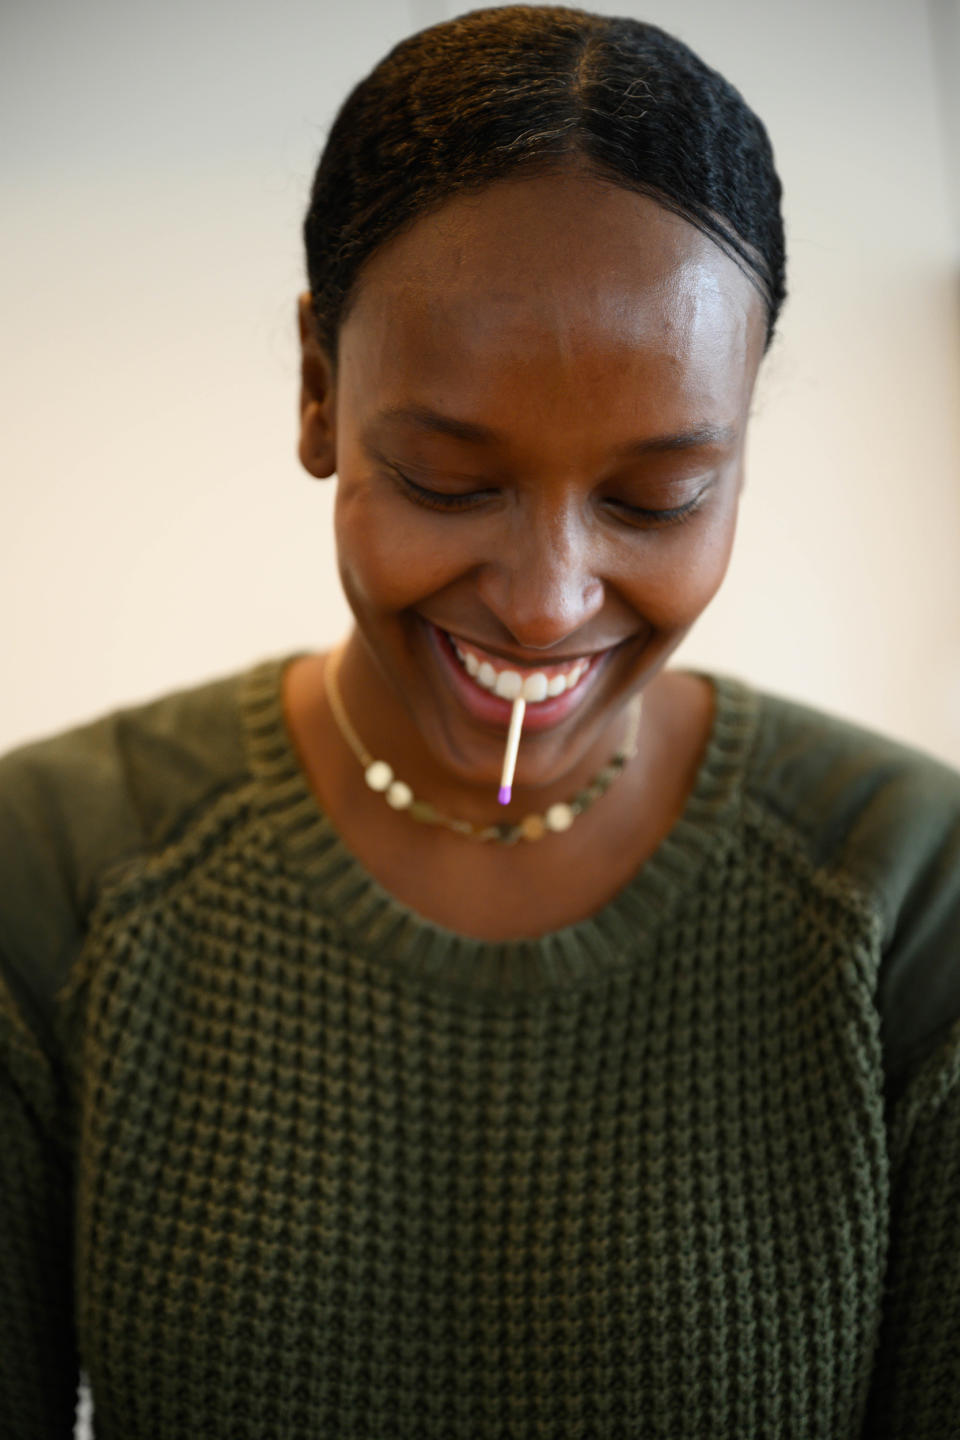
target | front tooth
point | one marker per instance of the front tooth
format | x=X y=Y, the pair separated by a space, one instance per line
x=535 y=687
x=471 y=662
x=556 y=685
x=487 y=675
x=508 y=684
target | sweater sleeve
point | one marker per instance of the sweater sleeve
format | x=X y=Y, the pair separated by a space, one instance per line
x=38 y=1362
x=72 y=807
x=59 y=813
x=915 y=1394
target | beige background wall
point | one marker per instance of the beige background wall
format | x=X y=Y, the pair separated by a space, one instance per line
x=156 y=527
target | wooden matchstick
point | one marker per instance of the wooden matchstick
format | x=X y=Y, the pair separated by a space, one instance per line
x=513 y=745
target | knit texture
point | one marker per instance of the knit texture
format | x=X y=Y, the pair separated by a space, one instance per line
x=284 y=1160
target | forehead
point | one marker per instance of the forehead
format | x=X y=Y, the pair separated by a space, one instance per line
x=535 y=290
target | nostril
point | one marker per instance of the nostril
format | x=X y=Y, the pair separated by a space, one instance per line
x=546 y=621
x=540 y=605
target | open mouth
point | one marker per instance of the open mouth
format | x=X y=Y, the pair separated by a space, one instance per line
x=488 y=691
x=488 y=684
x=500 y=678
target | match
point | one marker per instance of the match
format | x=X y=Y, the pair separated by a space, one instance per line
x=513 y=745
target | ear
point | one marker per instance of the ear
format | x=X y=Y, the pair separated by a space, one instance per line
x=317 y=448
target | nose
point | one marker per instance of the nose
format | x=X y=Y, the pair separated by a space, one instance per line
x=544 y=584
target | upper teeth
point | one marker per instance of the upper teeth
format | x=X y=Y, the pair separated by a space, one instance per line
x=510 y=683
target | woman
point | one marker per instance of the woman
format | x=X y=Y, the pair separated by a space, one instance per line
x=341 y=1098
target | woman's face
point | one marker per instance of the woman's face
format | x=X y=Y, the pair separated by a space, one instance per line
x=538 y=425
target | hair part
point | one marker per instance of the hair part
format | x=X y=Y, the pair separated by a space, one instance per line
x=529 y=90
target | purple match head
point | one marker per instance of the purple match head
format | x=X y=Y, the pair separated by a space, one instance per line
x=504 y=796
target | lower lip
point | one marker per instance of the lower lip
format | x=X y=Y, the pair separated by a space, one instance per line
x=492 y=709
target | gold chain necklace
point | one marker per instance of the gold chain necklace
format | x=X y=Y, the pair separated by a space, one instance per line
x=559 y=817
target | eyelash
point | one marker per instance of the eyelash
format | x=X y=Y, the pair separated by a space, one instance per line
x=437 y=499
x=452 y=504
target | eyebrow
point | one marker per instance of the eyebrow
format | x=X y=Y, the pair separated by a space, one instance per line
x=472 y=433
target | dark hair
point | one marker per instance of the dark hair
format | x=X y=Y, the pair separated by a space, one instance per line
x=530 y=88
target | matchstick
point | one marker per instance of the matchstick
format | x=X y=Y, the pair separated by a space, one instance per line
x=513 y=745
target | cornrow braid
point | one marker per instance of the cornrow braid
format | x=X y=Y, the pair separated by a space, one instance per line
x=526 y=88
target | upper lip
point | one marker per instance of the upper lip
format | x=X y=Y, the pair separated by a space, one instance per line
x=524 y=661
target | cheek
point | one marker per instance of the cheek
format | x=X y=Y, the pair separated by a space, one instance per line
x=683 y=575
x=386 y=560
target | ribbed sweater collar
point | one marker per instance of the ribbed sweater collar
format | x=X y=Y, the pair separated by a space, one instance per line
x=373 y=923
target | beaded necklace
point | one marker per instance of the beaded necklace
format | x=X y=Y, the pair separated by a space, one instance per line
x=397 y=793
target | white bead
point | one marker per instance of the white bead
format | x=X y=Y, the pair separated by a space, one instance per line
x=559 y=817
x=378 y=775
x=399 y=795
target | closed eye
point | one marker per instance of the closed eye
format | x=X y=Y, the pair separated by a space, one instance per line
x=454 y=501
x=441 y=499
x=640 y=515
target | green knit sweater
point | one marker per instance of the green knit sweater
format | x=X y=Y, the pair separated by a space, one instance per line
x=283 y=1161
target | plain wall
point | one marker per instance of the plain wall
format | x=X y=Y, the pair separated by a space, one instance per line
x=157 y=529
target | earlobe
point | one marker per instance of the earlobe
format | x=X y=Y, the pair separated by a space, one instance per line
x=317 y=447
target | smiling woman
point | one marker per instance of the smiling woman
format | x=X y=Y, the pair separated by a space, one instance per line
x=341 y=1099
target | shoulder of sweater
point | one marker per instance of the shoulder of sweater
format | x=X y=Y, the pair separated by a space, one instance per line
x=886 y=818
x=881 y=812
x=76 y=804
